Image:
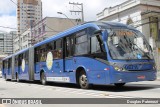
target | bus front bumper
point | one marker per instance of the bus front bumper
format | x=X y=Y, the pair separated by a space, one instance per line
x=124 y=77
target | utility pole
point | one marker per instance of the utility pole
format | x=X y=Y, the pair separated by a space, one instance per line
x=78 y=11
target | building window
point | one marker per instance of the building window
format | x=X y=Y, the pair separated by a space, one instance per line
x=43 y=28
x=154 y=28
x=129 y=21
x=39 y=31
x=35 y=32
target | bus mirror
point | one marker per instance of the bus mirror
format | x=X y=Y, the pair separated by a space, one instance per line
x=104 y=35
x=151 y=48
x=98 y=32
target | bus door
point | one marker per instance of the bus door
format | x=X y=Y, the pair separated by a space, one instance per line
x=20 y=68
x=9 y=68
x=57 y=60
x=68 y=57
x=6 y=68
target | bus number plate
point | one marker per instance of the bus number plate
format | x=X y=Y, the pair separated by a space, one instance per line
x=141 y=77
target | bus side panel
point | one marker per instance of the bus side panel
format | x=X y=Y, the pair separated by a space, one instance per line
x=9 y=75
x=69 y=69
x=56 y=73
x=21 y=73
x=96 y=74
x=37 y=71
x=95 y=70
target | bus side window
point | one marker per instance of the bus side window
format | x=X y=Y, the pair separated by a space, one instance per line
x=9 y=62
x=81 y=43
x=57 y=53
x=20 y=60
x=37 y=54
x=67 y=44
x=95 y=47
x=3 y=64
x=6 y=64
x=26 y=57
x=16 y=61
x=91 y=31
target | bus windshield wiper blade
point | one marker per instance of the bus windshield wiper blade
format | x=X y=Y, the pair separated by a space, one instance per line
x=145 y=53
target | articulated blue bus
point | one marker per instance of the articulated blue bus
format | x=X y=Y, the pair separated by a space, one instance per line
x=92 y=53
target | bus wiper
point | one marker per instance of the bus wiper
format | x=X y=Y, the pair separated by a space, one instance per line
x=145 y=53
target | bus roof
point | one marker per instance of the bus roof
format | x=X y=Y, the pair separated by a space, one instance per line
x=114 y=25
x=95 y=24
x=21 y=51
x=7 y=57
x=67 y=32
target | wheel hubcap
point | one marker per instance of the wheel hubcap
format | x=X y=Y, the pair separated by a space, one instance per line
x=83 y=80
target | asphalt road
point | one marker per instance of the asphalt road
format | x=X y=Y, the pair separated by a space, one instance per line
x=8 y=89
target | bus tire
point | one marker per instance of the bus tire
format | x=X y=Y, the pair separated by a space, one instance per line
x=43 y=79
x=17 y=77
x=83 y=81
x=119 y=84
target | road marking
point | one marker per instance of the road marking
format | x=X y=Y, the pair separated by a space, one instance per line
x=66 y=90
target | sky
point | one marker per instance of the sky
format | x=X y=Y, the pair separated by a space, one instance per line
x=51 y=7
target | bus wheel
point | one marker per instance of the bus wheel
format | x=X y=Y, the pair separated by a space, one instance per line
x=119 y=84
x=83 y=81
x=17 y=78
x=43 y=79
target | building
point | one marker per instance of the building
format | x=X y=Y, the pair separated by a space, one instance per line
x=142 y=14
x=6 y=43
x=1 y=58
x=28 y=13
x=45 y=28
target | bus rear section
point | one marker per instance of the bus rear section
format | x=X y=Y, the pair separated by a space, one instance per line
x=7 y=68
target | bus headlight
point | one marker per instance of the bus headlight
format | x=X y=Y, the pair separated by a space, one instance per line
x=119 y=69
x=154 y=67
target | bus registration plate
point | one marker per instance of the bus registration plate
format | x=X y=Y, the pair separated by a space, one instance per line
x=141 y=77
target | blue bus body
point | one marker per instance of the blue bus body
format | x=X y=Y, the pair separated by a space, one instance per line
x=6 y=72
x=22 y=74
x=98 y=68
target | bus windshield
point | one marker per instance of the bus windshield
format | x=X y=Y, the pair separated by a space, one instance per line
x=127 y=44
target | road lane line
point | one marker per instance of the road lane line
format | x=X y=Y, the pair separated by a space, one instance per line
x=70 y=90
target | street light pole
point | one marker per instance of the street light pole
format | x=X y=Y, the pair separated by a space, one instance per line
x=78 y=11
x=67 y=17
